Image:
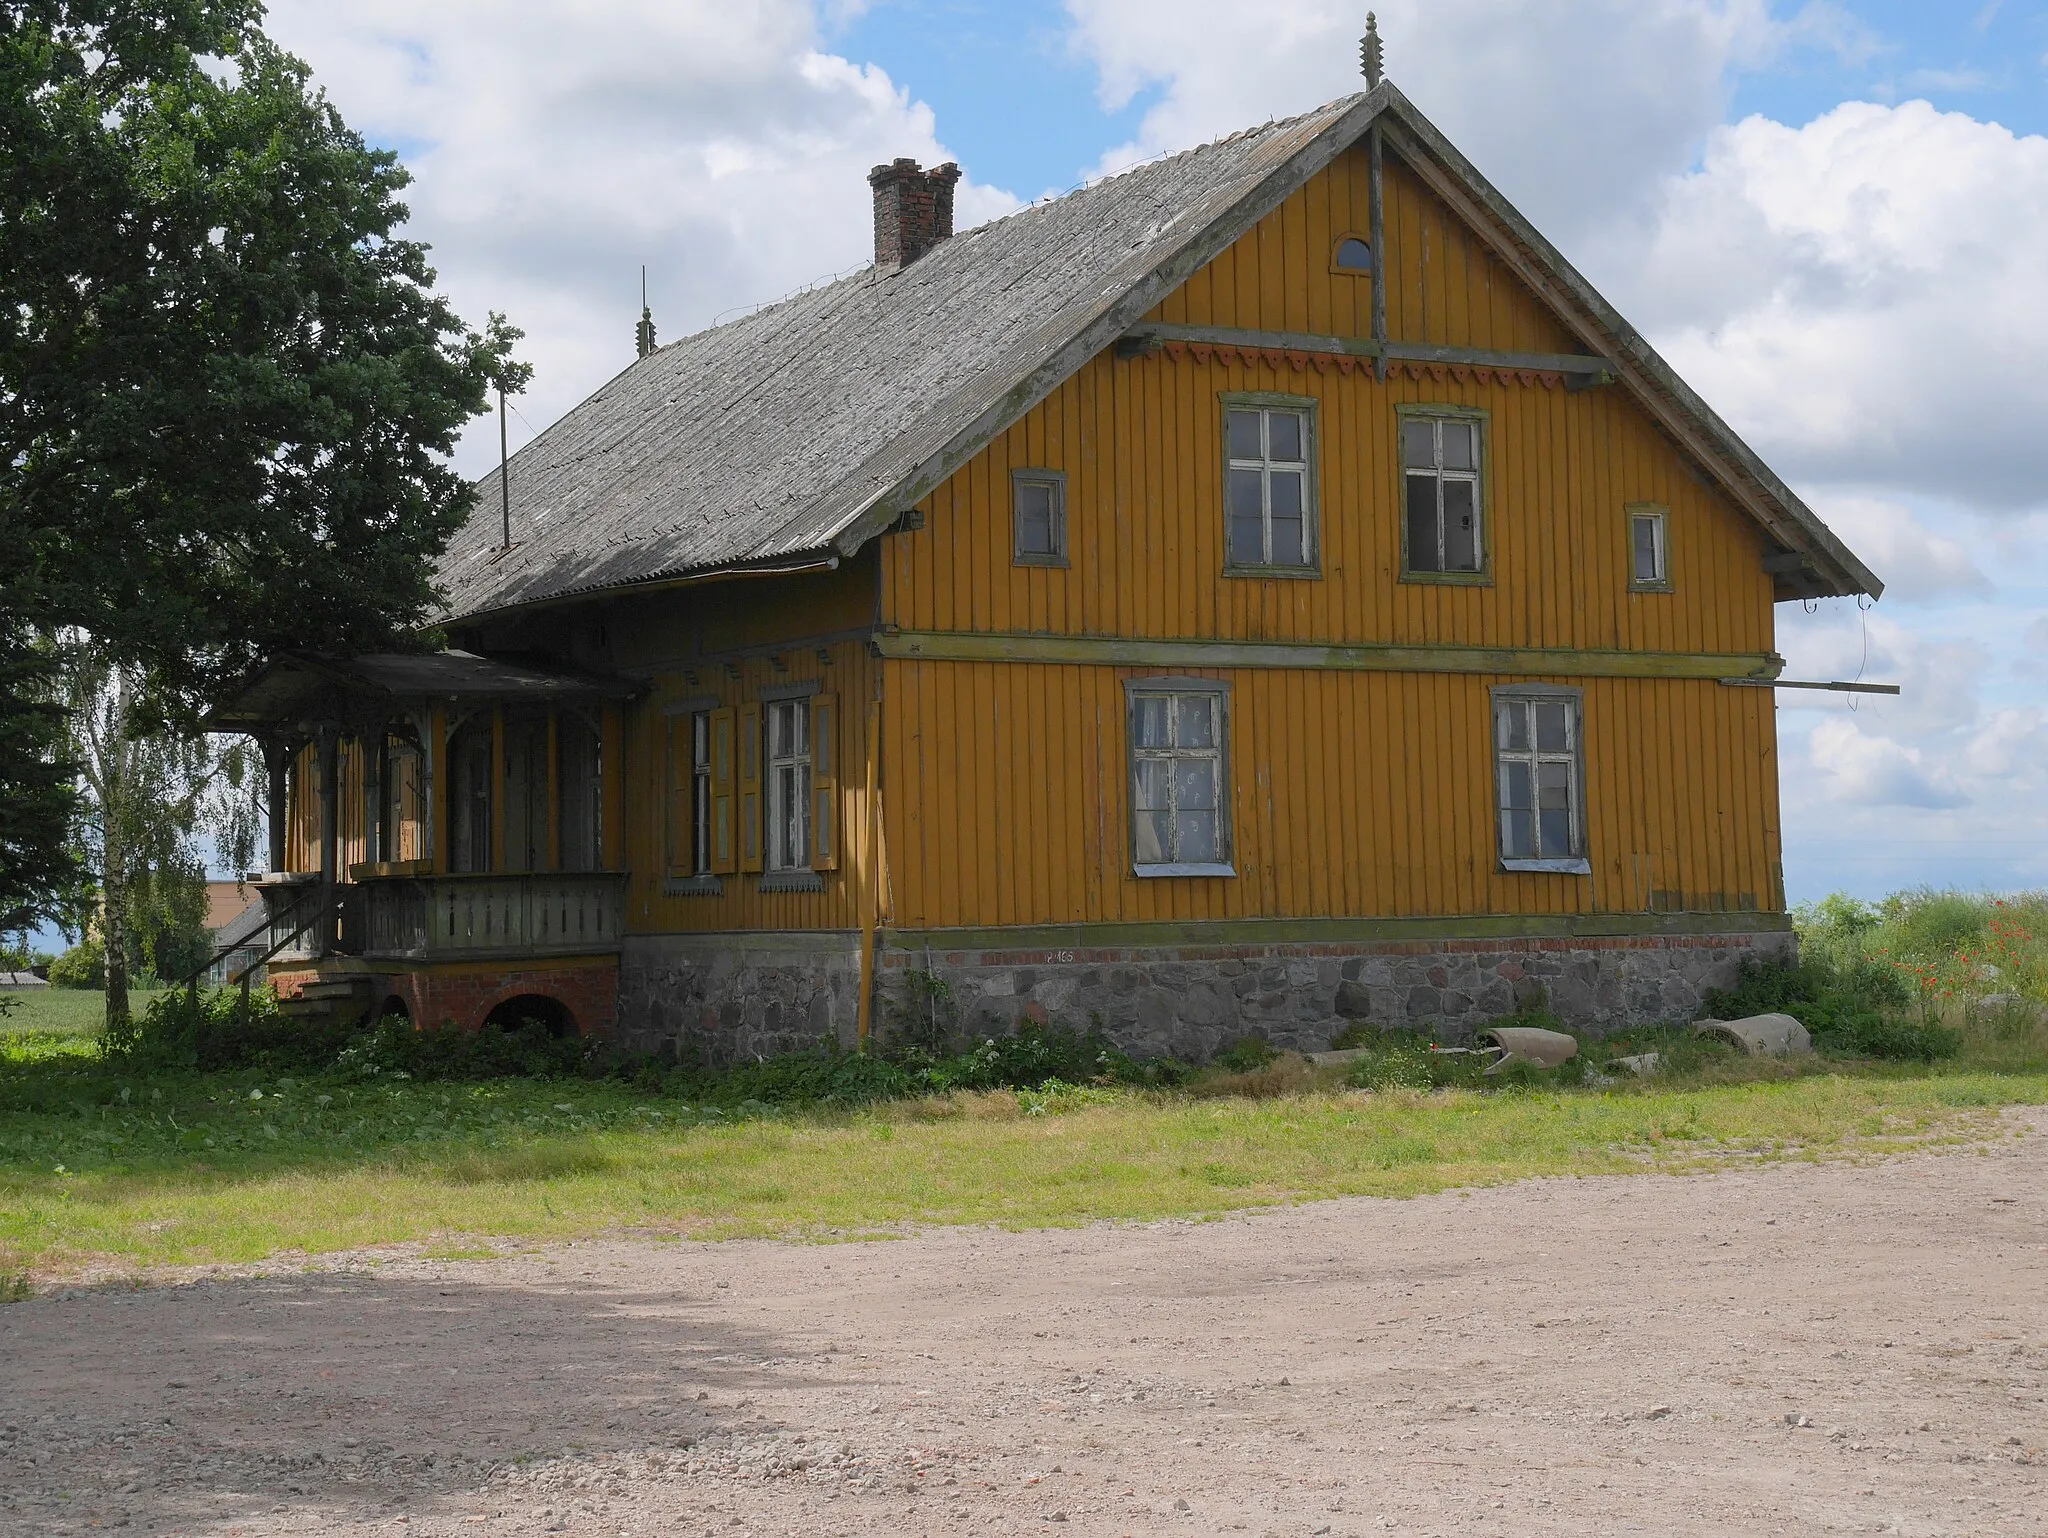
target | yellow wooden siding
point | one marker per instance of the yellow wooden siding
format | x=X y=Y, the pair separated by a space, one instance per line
x=1006 y=795
x=1140 y=443
x=850 y=675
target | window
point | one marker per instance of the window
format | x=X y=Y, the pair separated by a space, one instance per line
x=1353 y=255
x=1648 y=569
x=1038 y=501
x=700 y=798
x=1441 y=458
x=578 y=785
x=1541 y=774
x=789 y=785
x=1269 y=492
x=1179 y=825
x=700 y=793
x=469 y=795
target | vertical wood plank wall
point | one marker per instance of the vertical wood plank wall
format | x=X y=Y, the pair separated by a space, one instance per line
x=1352 y=795
x=1005 y=786
x=725 y=644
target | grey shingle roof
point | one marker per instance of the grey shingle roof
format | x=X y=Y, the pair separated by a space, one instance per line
x=804 y=429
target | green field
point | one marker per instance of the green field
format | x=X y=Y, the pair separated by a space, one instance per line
x=109 y=1167
x=64 y=1011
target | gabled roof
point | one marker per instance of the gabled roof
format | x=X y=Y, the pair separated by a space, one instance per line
x=797 y=434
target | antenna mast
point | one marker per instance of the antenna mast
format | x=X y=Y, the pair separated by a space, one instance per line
x=644 y=335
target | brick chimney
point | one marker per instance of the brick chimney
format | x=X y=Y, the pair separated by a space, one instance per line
x=913 y=210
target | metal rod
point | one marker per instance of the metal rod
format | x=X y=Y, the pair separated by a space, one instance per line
x=1800 y=683
x=504 y=473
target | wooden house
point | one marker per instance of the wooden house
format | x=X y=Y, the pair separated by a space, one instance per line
x=1264 y=590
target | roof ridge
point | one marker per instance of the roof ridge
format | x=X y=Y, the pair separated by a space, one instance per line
x=1165 y=158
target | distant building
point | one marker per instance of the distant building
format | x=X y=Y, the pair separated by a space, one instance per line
x=235 y=916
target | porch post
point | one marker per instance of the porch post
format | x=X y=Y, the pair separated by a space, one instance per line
x=330 y=831
x=277 y=759
x=554 y=791
x=497 y=787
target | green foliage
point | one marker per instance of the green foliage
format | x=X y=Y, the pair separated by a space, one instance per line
x=41 y=876
x=228 y=392
x=393 y=1048
x=83 y=966
x=824 y=1076
x=1034 y=1054
x=924 y=1018
x=219 y=1031
x=1858 y=1010
x=1247 y=1054
x=230 y=436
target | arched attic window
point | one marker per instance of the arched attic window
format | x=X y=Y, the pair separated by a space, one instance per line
x=1353 y=255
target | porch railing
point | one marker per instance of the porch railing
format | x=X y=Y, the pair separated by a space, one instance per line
x=452 y=917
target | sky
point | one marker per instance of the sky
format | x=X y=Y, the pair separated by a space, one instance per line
x=1831 y=217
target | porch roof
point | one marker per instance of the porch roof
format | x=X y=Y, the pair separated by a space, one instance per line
x=318 y=690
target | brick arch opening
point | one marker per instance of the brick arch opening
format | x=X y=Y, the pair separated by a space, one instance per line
x=395 y=1008
x=524 y=1008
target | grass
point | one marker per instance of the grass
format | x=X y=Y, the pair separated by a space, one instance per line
x=98 y=1174
x=106 y=1167
x=62 y=1011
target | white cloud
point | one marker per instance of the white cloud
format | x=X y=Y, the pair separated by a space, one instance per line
x=1866 y=297
x=1916 y=564
x=555 y=150
x=1576 y=112
x=1874 y=770
x=2037 y=634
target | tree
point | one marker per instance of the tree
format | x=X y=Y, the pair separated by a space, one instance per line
x=147 y=794
x=227 y=389
x=41 y=876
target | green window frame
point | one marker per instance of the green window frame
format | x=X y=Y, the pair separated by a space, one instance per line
x=1445 y=463
x=1271 y=523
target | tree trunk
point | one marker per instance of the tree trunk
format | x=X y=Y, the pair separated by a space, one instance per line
x=114 y=859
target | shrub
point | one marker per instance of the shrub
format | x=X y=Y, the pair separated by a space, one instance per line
x=83 y=966
x=525 y=1050
x=1245 y=1055
x=223 y=1030
x=1857 y=1010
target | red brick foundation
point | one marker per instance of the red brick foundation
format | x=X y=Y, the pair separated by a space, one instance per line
x=466 y=993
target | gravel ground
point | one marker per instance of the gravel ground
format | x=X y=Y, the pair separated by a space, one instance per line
x=1795 y=1349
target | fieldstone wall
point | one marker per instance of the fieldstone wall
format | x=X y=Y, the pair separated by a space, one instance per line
x=1188 y=1002
x=730 y=998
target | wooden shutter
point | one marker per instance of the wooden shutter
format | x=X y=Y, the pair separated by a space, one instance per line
x=681 y=782
x=724 y=844
x=824 y=782
x=748 y=731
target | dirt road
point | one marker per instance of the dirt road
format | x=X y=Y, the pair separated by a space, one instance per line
x=1800 y=1349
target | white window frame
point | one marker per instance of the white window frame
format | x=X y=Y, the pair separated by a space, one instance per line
x=1659 y=518
x=1268 y=406
x=788 y=840
x=1176 y=689
x=1054 y=483
x=1506 y=699
x=1477 y=477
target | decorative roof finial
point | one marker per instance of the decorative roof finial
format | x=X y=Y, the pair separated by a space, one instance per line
x=1371 y=61
x=644 y=334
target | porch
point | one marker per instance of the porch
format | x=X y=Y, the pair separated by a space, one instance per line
x=439 y=821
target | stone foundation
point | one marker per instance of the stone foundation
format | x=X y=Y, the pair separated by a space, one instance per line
x=1188 y=1001
x=732 y=997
